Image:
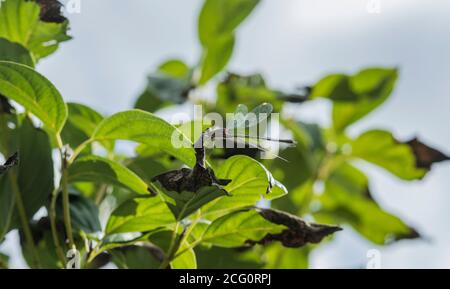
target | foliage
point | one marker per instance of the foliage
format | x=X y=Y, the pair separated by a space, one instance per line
x=167 y=206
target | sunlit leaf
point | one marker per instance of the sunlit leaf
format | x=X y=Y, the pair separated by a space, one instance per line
x=217 y=23
x=264 y=226
x=101 y=170
x=20 y=22
x=347 y=200
x=140 y=215
x=239 y=228
x=187 y=260
x=183 y=204
x=250 y=181
x=143 y=127
x=357 y=95
x=381 y=148
x=35 y=93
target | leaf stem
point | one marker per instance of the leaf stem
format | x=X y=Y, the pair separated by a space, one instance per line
x=66 y=201
x=173 y=248
x=78 y=150
x=52 y=216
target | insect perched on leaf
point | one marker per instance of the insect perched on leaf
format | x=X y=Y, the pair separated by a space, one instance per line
x=242 y=131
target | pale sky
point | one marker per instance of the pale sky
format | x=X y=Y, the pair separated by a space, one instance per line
x=292 y=42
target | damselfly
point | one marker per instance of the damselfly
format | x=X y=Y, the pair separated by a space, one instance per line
x=243 y=130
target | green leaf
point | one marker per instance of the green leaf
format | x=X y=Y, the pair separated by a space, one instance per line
x=217 y=23
x=35 y=93
x=4 y=260
x=44 y=244
x=136 y=257
x=35 y=156
x=347 y=199
x=83 y=117
x=6 y=205
x=81 y=123
x=215 y=57
x=185 y=203
x=140 y=215
x=20 y=23
x=373 y=86
x=382 y=149
x=336 y=87
x=221 y=17
x=239 y=228
x=175 y=68
x=169 y=85
x=226 y=258
x=250 y=181
x=83 y=212
x=15 y=52
x=143 y=127
x=357 y=95
x=147 y=168
x=249 y=90
x=7 y=197
x=101 y=170
x=163 y=90
x=187 y=260
x=279 y=257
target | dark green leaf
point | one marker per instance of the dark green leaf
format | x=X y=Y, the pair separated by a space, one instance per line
x=14 y=52
x=144 y=256
x=83 y=212
x=6 y=205
x=35 y=156
x=249 y=90
x=169 y=85
x=226 y=258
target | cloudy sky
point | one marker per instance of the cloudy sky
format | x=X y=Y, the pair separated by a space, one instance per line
x=292 y=42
